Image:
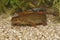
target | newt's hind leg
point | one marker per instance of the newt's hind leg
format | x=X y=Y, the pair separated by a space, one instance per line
x=44 y=23
x=32 y=24
x=44 y=20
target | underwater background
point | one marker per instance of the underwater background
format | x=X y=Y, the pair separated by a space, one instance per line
x=10 y=9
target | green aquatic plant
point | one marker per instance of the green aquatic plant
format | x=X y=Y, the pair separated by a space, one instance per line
x=56 y=4
x=7 y=6
x=2 y=5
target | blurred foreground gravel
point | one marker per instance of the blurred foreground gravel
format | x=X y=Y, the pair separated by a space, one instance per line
x=49 y=32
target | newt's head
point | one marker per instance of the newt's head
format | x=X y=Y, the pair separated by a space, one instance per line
x=15 y=20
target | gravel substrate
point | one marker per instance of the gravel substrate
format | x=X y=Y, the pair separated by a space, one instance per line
x=48 y=32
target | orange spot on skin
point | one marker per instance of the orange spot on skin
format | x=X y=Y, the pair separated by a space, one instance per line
x=40 y=12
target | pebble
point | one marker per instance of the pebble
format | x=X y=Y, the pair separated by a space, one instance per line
x=48 y=32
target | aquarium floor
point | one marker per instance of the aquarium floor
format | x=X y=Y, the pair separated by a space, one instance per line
x=49 y=32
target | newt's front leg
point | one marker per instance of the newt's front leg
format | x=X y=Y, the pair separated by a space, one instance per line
x=32 y=24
